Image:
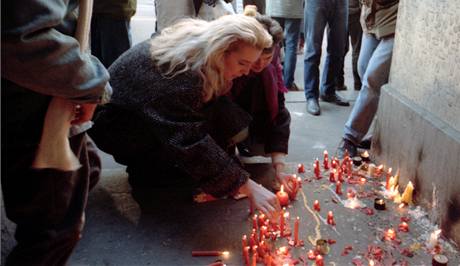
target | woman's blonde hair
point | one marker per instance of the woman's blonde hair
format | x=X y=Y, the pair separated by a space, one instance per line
x=200 y=46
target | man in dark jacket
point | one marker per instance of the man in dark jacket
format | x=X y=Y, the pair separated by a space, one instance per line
x=41 y=59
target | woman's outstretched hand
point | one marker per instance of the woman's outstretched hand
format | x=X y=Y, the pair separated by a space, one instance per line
x=261 y=198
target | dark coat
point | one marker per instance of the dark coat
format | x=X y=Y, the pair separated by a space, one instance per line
x=154 y=121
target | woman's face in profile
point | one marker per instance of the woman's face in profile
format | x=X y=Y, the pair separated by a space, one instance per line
x=264 y=60
x=240 y=61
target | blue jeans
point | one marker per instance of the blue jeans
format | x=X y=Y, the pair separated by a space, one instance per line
x=291 y=38
x=318 y=14
x=374 y=68
x=110 y=38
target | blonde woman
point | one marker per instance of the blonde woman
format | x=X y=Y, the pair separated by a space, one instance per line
x=162 y=121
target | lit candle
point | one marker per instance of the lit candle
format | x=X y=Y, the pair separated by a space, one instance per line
x=316 y=169
x=282 y=196
x=262 y=219
x=316 y=206
x=332 y=175
x=319 y=261
x=330 y=218
x=403 y=227
x=300 y=168
x=350 y=168
x=244 y=242
x=254 y=256
x=371 y=169
x=379 y=170
x=326 y=160
x=209 y=253
x=340 y=174
x=379 y=204
x=263 y=231
x=283 y=250
x=334 y=163
x=387 y=185
x=296 y=231
x=362 y=180
x=390 y=234
x=246 y=255
x=311 y=255
x=254 y=222
x=434 y=236
x=253 y=238
x=365 y=156
x=407 y=194
x=295 y=187
x=338 y=188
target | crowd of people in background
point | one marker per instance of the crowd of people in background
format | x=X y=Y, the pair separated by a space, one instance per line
x=199 y=93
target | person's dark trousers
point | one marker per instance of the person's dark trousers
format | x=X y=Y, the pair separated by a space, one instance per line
x=47 y=205
x=318 y=14
x=355 y=33
x=259 y=3
x=291 y=28
x=110 y=37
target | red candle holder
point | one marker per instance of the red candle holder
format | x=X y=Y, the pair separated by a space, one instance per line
x=316 y=206
x=300 y=168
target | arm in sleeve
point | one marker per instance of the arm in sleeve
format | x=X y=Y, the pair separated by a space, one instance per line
x=181 y=128
x=37 y=56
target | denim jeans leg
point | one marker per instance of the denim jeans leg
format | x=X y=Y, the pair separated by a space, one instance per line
x=291 y=36
x=337 y=34
x=375 y=58
x=315 y=22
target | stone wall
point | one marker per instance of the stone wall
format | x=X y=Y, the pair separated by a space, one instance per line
x=426 y=57
x=418 y=120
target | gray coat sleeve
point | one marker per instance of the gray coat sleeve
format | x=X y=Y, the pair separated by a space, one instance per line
x=39 y=52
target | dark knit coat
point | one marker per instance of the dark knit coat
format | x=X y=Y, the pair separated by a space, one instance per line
x=155 y=121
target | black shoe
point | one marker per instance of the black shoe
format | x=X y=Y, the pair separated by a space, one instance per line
x=313 y=106
x=341 y=88
x=335 y=98
x=294 y=87
x=358 y=86
x=347 y=146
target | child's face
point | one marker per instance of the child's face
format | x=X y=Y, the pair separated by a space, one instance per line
x=264 y=60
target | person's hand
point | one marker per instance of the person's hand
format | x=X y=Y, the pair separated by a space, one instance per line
x=261 y=198
x=283 y=178
x=83 y=113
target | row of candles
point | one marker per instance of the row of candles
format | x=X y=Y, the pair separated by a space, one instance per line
x=337 y=171
x=265 y=233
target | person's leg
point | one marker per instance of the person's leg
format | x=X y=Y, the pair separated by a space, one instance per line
x=338 y=22
x=315 y=22
x=47 y=205
x=375 y=58
x=356 y=34
x=291 y=36
x=114 y=39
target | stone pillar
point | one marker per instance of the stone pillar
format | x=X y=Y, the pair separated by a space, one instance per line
x=418 y=119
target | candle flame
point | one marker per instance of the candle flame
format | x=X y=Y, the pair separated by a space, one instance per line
x=380 y=167
x=325 y=152
x=225 y=253
x=282 y=188
x=365 y=154
x=371 y=263
x=286 y=215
